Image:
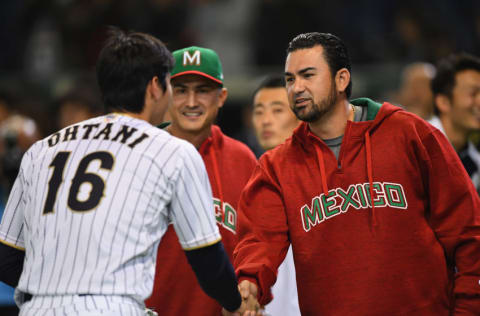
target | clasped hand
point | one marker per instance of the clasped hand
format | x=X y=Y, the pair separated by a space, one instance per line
x=250 y=305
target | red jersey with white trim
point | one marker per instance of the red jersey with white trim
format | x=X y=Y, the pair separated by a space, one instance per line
x=229 y=165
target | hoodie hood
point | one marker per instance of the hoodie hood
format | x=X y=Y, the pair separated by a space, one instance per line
x=376 y=114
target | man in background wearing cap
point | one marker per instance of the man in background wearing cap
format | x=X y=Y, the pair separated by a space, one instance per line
x=198 y=94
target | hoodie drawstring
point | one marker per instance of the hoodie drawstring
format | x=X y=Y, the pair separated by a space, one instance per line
x=368 y=154
x=321 y=165
x=368 y=157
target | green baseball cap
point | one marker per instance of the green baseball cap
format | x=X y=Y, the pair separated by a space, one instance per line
x=199 y=61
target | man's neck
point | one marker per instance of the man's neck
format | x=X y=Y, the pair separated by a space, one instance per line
x=457 y=137
x=141 y=116
x=333 y=124
x=195 y=138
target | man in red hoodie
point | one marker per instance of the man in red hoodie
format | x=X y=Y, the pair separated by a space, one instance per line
x=198 y=94
x=380 y=213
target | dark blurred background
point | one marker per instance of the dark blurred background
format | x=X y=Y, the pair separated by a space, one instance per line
x=49 y=47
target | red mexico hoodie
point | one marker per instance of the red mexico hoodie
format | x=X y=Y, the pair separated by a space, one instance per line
x=395 y=257
x=176 y=291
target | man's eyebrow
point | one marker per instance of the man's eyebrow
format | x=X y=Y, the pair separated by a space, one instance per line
x=178 y=85
x=205 y=85
x=278 y=103
x=304 y=70
x=301 y=71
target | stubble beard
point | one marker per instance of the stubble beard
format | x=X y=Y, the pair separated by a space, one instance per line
x=318 y=110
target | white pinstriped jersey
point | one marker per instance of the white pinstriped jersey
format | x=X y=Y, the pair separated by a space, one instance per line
x=91 y=203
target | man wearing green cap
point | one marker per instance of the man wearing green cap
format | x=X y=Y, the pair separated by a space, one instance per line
x=198 y=94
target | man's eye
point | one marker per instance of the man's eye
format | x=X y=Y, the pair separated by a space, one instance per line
x=179 y=90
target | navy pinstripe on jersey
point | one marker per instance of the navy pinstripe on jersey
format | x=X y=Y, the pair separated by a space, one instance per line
x=101 y=234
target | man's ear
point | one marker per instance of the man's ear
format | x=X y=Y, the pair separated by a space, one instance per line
x=342 y=79
x=155 y=89
x=443 y=103
x=222 y=97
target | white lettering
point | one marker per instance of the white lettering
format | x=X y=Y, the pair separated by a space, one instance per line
x=191 y=60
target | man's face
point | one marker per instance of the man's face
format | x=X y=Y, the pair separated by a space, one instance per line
x=310 y=86
x=465 y=101
x=195 y=103
x=272 y=118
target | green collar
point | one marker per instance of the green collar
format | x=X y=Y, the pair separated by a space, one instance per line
x=164 y=125
x=372 y=107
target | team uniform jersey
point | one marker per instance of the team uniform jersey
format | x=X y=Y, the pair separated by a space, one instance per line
x=393 y=256
x=229 y=165
x=92 y=202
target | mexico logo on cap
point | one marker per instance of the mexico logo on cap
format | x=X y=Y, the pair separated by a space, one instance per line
x=191 y=59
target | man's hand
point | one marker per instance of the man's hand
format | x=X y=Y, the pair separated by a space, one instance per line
x=250 y=305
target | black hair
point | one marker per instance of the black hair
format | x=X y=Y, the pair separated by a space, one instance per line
x=334 y=51
x=271 y=81
x=447 y=69
x=126 y=64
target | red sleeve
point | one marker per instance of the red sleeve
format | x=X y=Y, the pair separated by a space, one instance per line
x=263 y=233
x=455 y=218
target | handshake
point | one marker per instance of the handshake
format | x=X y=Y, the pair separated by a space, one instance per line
x=250 y=305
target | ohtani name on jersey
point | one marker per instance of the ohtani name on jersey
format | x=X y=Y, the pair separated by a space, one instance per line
x=98 y=131
x=226 y=217
x=357 y=196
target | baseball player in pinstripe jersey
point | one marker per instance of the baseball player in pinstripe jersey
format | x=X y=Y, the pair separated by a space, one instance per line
x=198 y=95
x=91 y=202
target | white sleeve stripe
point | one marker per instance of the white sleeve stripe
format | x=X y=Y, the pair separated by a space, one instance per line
x=192 y=203
x=197 y=174
x=180 y=233
x=192 y=197
x=187 y=221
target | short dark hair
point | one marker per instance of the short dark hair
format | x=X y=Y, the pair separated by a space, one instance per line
x=447 y=69
x=334 y=50
x=127 y=63
x=271 y=81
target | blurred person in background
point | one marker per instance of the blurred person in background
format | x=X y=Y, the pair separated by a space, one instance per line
x=272 y=118
x=246 y=133
x=77 y=105
x=17 y=134
x=415 y=94
x=6 y=105
x=198 y=94
x=456 y=90
x=274 y=122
